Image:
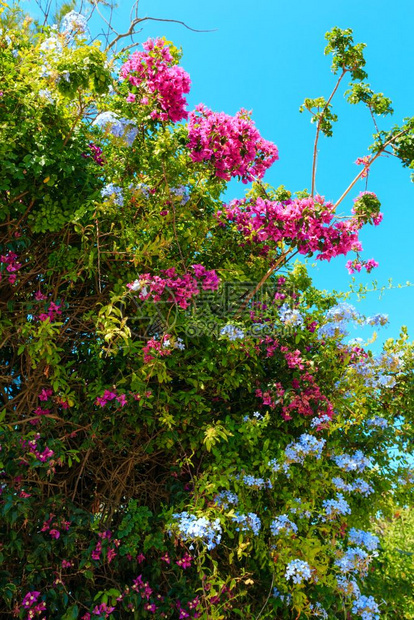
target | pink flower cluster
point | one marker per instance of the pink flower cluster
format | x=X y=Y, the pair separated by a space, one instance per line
x=143 y=588
x=103 y=609
x=53 y=531
x=108 y=395
x=180 y=289
x=306 y=223
x=52 y=312
x=121 y=398
x=156 y=348
x=363 y=161
x=157 y=81
x=10 y=259
x=32 y=448
x=305 y=398
x=185 y=561
x=231 y=143
x=29 y=603
x=110 y=551
x=357 y=265
x=367 y=208
x=96 y=154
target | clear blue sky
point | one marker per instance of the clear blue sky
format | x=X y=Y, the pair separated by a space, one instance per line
x=268 y=56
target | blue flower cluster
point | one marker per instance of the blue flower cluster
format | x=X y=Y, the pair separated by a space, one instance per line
x=356 y=462
x=318 y=611
x=285 y=598
x=332 y=330
x=366 y=608
x=298 y=570
x=114 y=192
x=290 y=317
x=119 y=127
x=318 y=421
x=74 y=23
x=232 y=332
x=377 y=319
x=335 y=507
x=258 y=416
x=144 y=189
x=181 y=192
x=226 y=498
x=375 y=370
x=46 y=94
x=251 y=481
x=359 y=485
x=342 y=312
x=51 y=44
x=368 y=540
x=308 y=445
x=179 y=344
x=299 y=510
x=354 y=560
x=348 y=587
x=191 y=527
x=247 y=522
x=378 y=422
x=283 y=525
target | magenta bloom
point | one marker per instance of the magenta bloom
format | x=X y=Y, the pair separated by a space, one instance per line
x=154 y=75
x=231 y=143
x=30 y=599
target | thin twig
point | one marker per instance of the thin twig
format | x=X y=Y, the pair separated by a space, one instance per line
x=318 y=128
x=369 y=164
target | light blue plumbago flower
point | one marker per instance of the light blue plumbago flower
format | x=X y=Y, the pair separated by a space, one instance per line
x=190 y=527
x=356 y=462
x=65 y=75
x=251 y=481
x=386 y=381
x=299 y=510
x=377 y=319
x=349 y=587
x=179 y=344
x=308 y=445
x=332 y=330
x=319 y=421
x=46 y=94
x=298 y=571
x=342 y=312
x=181 y=192
x=144 y=189
x=335 y=507
x=74 y=23
x=366 y=608
x=285 y=598
x=283 y=525
x=232 y=332
x=226 y=498
x=361 y=486
x=368 y=540
x=378 y=422
x=341 y=484
x=356 y=341
x=256 y=414
x=354 y=560
x=318 y=611
x=290 y=317
x=247 y=522
x=52 y=45
x=114 y=192
x=118 y=127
